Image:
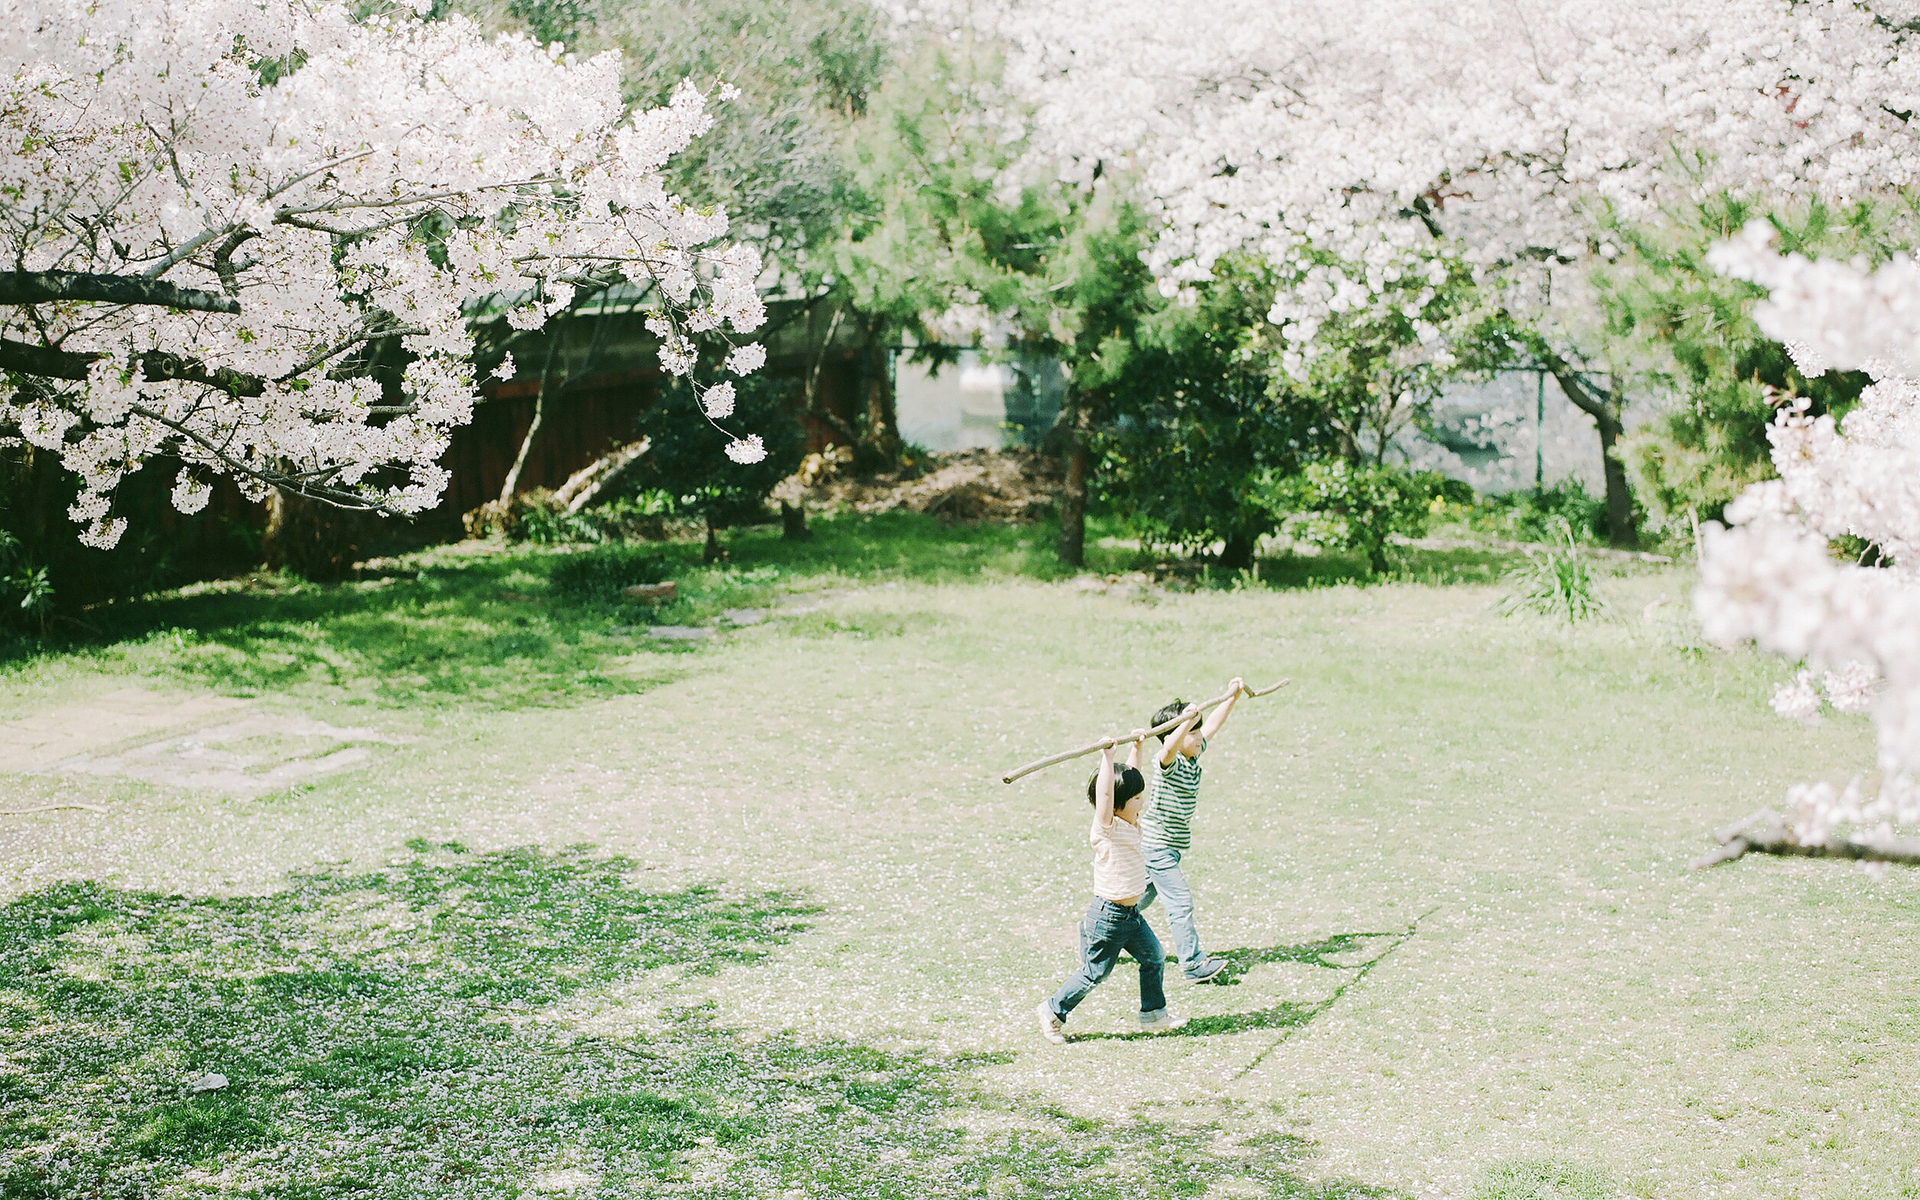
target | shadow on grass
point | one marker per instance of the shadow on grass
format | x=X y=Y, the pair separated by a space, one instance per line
x=1287 y=1014
x=925 y=549
x=510 y=627
x=464 y=1025
x=1406 y=564
x=466 y=627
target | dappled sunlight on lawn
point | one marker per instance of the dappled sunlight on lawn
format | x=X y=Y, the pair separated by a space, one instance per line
x=1446 y=866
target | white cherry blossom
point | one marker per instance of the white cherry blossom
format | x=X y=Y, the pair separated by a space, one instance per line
x=1772 y=577
x=214 y=208
x=1271 y=127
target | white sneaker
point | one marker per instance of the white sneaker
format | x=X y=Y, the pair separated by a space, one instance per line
x=1210 y=969
x=1052 y=1027
x=1158 y=1021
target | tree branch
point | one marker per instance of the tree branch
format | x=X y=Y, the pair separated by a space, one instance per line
x=155 y=366
x=1156 y=731
x=42 y=287
x=185 y=251
x=284 y=480
x=1577 y=389
x=1740 y=839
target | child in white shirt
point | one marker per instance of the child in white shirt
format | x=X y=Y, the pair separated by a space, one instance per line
x=1113 y=923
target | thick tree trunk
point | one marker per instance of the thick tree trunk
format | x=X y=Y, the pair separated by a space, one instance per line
x=1073 y=494
x=313 y=540
x=881 y=439
x=1604 y=407
x=793 y=523
x=1237 y=553
x=1620 y=527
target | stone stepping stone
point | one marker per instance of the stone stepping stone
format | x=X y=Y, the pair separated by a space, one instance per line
x=256 y=753
x=680 y=633
x=743 y=616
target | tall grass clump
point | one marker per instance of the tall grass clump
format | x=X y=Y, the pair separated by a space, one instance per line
x=1555 y=583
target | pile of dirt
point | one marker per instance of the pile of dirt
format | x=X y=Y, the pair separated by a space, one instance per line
x=967 y=485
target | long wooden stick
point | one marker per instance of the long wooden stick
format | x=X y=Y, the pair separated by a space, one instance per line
x=1103 y=743
x=1775 y=838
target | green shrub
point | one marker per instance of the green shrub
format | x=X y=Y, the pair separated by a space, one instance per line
x=597 y=576
x=26 y=593
x=1537 y=514
x=1340 y=507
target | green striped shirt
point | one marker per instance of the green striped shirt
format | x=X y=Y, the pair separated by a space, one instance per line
x=1168 y=816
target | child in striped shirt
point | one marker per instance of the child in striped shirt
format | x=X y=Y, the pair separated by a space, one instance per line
x=1113 y=923
x=1166 y=826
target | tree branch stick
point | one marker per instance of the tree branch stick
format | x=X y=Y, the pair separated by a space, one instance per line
x=1776 y=839
x=1157 y=731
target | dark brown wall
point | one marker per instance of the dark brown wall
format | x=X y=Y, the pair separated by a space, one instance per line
x=584 y=422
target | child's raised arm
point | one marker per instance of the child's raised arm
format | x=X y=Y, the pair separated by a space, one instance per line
x=1139 y=743
x=1103 y=789
x=1170 y=744
x=1219 y=715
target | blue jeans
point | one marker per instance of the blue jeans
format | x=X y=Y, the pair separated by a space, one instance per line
x=1107 y=930
x=1166 y=880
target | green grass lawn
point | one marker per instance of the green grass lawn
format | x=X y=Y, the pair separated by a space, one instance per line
x=754 y=916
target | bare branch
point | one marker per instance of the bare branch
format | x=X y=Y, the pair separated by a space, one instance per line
x=44 y=287
x=399 y=201
x=223 y=265
x=46 y=362
x=358 y=337
x=322 y=169
x=186 y=250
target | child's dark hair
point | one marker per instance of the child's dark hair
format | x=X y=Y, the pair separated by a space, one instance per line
x=1127 y=783
x=1168 y=712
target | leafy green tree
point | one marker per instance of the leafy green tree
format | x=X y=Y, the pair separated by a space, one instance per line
x=964 y=241
x=1697 y=326
x=680 y=462
x=1197 y=424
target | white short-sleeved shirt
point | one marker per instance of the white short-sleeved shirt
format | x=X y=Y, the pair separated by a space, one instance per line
x=1119 y=865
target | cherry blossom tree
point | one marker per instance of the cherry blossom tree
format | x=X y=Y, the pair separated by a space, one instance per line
x=1772 y=577
x=214 y=209
x=1369 y=137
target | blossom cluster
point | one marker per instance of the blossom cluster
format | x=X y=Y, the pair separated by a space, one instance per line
x=1518 y=129
x=317 y=181
x=1771 y=577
